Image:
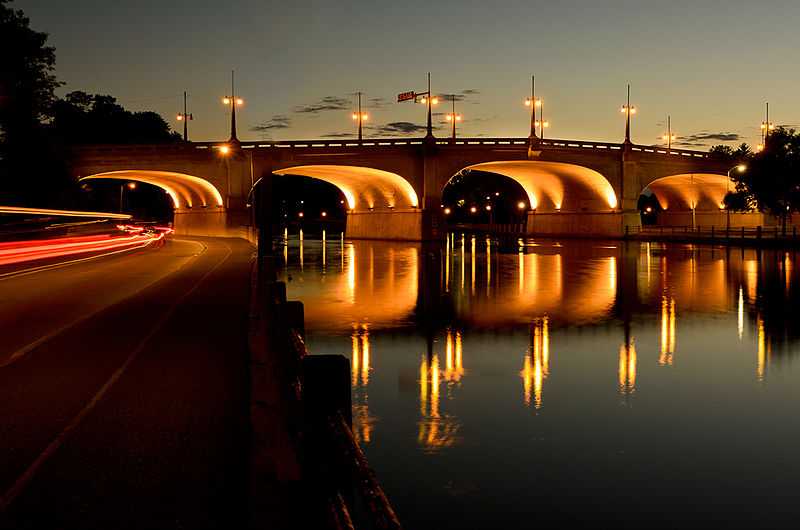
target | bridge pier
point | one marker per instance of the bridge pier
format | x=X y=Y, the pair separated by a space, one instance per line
x=213 y=222
x=394 y=225
x=595 y=224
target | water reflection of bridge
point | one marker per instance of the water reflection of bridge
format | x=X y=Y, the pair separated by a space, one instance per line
x=472 y=286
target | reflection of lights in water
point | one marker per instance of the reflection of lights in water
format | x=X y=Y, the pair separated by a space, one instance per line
x=627 y=368
x=341 y=249
x=365 y=365
x=741 y=312
x=351 y=272
x=787 y=270
x=667 y=330
x=447 y=265
x=536 y=364
x=751 y=278
x=649 y=260
x=488 y=266
x=463 y=258
x=438 y=430
x=301 y=249
x=764 y=350
x=454 y=368
x=472 y=261
x=521 y=270
x=612 y=274
x=324 y=249
x=360 y=367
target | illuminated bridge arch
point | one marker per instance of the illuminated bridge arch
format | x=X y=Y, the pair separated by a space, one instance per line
x=186 y=191
x=556 y=185
x=364 y=188
x=690 y=191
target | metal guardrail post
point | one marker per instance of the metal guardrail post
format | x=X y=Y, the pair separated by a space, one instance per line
x=758 y=232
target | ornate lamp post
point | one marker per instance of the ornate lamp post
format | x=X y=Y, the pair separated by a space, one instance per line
x=453 y=117
x=360 y=118
x=533 y=103
x=628 y=110
x=234 y=102
x=669 y=137
x=185 y=117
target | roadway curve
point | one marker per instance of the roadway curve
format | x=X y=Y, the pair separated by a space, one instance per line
x=123 y=390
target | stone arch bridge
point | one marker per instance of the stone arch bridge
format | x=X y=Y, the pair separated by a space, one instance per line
x=394 y=186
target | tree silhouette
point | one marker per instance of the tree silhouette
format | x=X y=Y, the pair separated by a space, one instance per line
x=771 y=182
x=27 y=87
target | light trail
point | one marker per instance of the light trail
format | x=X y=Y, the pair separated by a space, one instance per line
x=62 y=213
x=32 y=250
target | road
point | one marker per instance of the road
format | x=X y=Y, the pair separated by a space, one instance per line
x=123 y=390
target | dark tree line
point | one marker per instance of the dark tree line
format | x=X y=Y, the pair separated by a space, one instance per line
x=771 y=181
x=37 y=127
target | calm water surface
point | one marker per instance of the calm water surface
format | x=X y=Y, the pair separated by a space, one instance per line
x=534 y=383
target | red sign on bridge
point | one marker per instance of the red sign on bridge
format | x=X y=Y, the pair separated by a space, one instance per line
x=406 y=96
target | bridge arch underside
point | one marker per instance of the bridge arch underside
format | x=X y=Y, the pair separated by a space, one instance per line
x=563 y=199
x=198 y=205
x=381 y=204
x=697 y=199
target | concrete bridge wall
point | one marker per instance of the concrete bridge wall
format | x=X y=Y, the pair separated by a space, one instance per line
x=427 y=166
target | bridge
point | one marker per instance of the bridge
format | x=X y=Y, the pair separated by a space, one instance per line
x=394 y=187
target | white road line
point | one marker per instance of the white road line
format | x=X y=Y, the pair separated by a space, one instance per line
x=22 y=482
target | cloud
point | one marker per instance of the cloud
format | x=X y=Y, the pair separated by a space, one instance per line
x=377 y=103
x=339 y=135
x=460 y=96
x=325 y=104
x=278 y=121
x=705 y=138
x=400 y=127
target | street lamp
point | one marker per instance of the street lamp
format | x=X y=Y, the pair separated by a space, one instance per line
x=766 y=128
x=360 y=118
x=628 y=110
x=234 y=102
x=741 y=168
x=453 y=117
x=541 y=123
x=185 y=117
x=532 y=102
x=131 y=186
x=669 y=137
x=429 y=100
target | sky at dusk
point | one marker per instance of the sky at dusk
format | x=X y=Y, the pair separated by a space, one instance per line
x=711 y=65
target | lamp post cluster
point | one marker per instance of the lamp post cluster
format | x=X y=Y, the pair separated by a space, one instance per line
x=360 y=117
x=766 y=128
x=628 y=110
x=185 y=117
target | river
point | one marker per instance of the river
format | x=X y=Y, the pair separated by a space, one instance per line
x=539 y=383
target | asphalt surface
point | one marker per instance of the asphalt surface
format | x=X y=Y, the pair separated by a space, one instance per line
x=124 y=390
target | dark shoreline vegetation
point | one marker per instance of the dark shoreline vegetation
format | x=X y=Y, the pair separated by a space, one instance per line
x=37 y=127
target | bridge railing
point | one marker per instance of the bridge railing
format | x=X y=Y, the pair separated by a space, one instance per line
x=405 y=142
x=711 y=232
